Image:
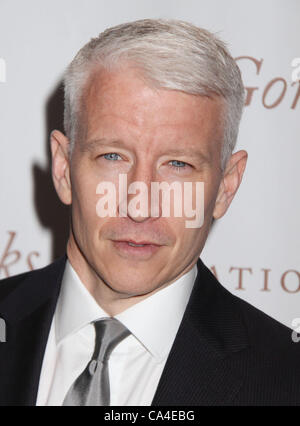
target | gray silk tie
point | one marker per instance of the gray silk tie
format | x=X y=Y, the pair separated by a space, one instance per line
x=91 y=388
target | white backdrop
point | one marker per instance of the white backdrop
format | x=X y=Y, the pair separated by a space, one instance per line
x=254 y=249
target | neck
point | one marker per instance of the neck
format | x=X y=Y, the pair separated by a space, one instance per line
x=111 y=301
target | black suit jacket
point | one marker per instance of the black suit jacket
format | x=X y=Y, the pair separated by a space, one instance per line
x=226 y=352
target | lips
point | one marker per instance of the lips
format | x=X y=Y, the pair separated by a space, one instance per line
x=138 y=243
x=136 y=249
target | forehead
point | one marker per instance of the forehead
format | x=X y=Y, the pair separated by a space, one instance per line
x=122 y=100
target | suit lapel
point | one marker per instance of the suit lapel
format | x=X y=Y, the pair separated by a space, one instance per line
x=199 y=369
x=28 y=313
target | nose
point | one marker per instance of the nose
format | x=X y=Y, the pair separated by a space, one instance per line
x=138 y=193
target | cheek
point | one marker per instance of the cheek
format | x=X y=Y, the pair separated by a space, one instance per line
x=84 y=201
x=211 y=187
x=201 y=199
x=183 y=237
x=189 y=244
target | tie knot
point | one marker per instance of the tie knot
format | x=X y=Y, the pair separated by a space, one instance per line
x=109 y=332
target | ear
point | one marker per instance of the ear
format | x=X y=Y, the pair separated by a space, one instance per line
x=230 y=182
x=61 y=166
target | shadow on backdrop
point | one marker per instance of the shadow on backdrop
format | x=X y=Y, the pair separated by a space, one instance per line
x=52 y=214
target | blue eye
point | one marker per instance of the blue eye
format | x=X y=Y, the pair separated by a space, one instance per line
x=178 y=164
x=112 y=156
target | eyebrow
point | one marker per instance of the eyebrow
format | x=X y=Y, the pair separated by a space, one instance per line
x=189 y=153
x=94 y=143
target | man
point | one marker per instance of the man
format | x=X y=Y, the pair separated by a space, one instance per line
x=131 y=316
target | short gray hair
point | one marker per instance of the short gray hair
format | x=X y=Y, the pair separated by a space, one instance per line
x=172 y=55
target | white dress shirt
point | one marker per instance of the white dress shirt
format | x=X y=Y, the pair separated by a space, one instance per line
x=136 y=363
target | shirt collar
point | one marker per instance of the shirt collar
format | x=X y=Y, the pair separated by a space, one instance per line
x=76 y=307
x=154 y=321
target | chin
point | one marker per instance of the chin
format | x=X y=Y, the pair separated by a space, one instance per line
x=132 y=288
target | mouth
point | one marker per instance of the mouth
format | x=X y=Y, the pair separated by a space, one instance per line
x=138 y=243
x=136 y=249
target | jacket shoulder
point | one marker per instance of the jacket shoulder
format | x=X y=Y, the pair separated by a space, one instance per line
x=270 y=342
x=261 y=327
x=9 y=285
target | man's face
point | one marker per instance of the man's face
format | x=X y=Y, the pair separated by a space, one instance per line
x=151 y=136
